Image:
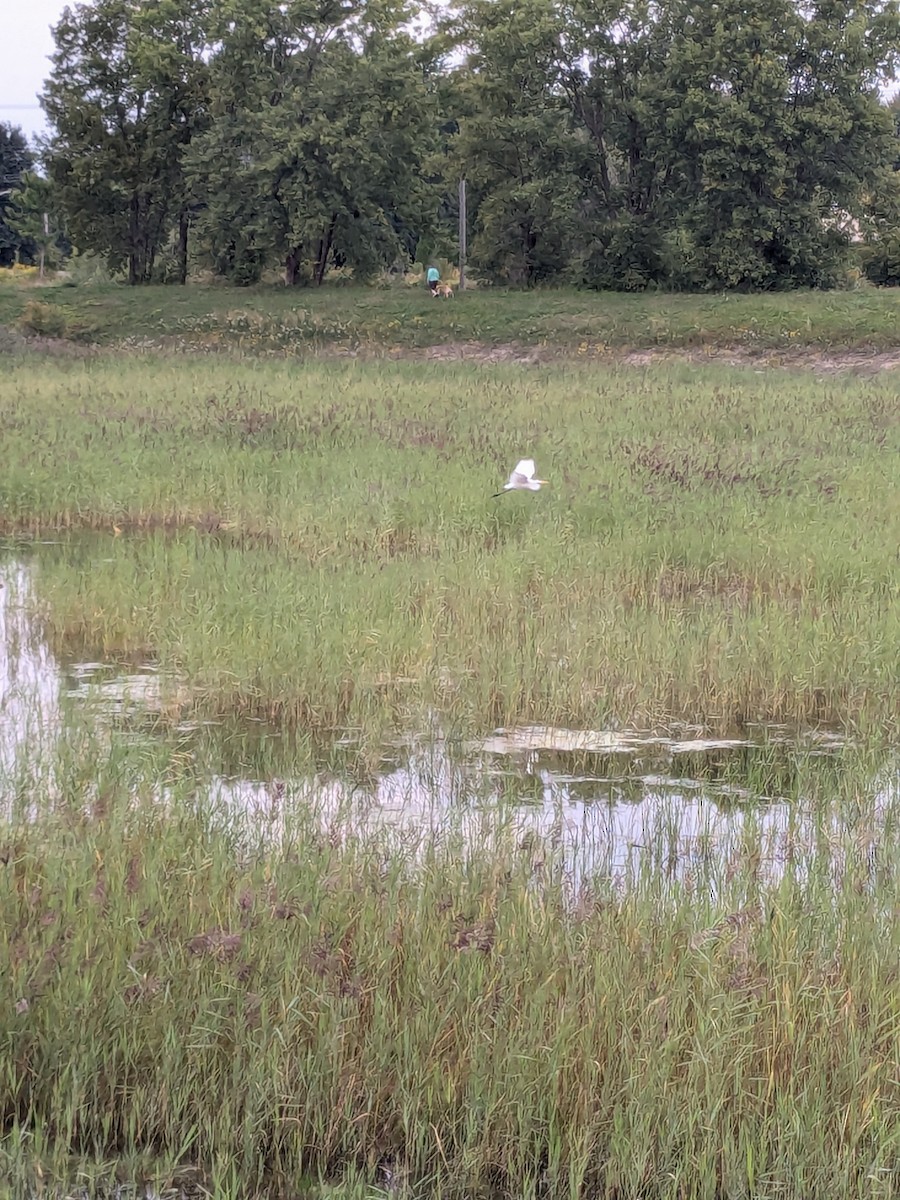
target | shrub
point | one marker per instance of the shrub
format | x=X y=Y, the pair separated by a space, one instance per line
x=626 y=255
x=87 y=268
x=881 y=261
x=42 y=320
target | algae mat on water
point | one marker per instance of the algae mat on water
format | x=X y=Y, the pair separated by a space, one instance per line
x=717 y=545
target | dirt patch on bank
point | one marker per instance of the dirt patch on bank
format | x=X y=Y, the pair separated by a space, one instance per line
x=805 y=358
x=826 y=362
x=14 y=342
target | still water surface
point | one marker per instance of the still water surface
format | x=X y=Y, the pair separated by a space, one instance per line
x=612 y=801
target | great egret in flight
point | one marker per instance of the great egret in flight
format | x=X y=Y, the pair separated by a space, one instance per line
x=522 y=478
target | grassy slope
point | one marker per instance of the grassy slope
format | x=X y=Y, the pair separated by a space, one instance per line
x=717 y=545
x=275 y=319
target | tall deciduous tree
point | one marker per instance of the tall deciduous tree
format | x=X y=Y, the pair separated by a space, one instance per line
x=702 y=145
x=773 y=122
x=321 y=119
x=125 y=97
x=515 y=143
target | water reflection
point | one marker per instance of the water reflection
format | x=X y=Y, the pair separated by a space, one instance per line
x=29 y=676
x=611 y=828
x=615 y=802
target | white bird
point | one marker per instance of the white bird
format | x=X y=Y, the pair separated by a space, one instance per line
x=522 y=478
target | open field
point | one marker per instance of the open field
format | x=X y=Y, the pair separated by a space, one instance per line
x=716 y=546
x=295 y=1009
x=275 y=320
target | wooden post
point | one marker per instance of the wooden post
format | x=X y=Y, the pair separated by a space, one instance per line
x=462 y=235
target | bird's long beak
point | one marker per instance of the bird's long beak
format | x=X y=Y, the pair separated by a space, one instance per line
x=545 y=482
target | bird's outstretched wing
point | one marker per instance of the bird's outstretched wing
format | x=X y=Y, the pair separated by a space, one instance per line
x=521 y=477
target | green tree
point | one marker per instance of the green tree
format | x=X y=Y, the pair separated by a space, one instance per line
x=515 y=143
x=321 y=118
x=15 y=161
x=772 y=121
x=701 y=145
x=34 y=216
x=124 y=98
x=614 y=55
x=881 y=253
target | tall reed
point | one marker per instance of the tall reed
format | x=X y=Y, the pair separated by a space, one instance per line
x=266 y=1003
x=717 y=546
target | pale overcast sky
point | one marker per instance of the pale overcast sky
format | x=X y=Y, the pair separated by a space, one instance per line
x=25 y=26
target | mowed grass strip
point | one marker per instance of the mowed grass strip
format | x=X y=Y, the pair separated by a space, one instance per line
x=717 y=545
x=284 y=321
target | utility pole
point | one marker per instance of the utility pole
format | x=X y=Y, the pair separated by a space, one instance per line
x=462 y=235
x=44 y=242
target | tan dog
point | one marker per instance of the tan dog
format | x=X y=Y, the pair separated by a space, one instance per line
x=445 y=290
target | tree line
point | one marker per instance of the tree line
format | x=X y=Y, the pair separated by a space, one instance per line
x=687 y=144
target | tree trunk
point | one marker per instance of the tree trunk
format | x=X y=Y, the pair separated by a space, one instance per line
x=292 y=266
x=183 y=224
x=134 y=257
x=325 y=250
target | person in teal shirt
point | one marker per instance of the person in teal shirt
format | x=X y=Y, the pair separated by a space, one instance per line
x=433 y=278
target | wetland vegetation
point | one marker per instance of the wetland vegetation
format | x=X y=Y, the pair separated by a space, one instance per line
x=286 y=1003
x=717 y=546
x=219 y=973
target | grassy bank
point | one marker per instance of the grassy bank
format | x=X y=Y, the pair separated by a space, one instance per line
x=275 y=320
x=716 y=546
x=265 y=1006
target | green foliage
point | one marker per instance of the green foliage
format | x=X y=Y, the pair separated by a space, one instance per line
x=772 y=126
x=881 y=260
x=314 y=157
x=34 y=215
x=16 y=161
x=685 y=145
x=740 y=132
x=515 y=145
x=125 y=97
x=628 y=255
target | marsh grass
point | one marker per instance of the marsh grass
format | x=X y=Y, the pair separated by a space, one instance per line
x=294 y=1000
x=288 y=1009
x=718 y=546
x=275 y=320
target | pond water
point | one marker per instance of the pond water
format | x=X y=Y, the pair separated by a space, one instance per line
x=613 y=801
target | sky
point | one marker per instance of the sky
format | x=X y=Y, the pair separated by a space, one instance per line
x=26 y=33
